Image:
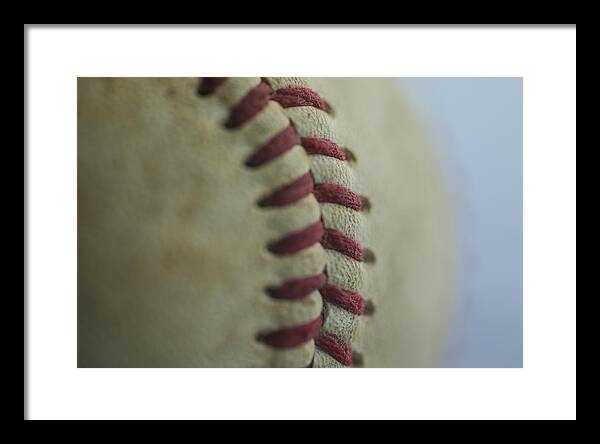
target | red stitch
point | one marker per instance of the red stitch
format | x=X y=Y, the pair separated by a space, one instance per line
x=299 y=96
x=324 y=147
x=349 y=301
x=337 y=194
x=252 y=103
x=339 y=350
x=293 y=336
x=298 y=240
x=210 y=84
x=298 y=288
x=284 y=141
x=334 y=240
x=290 y=193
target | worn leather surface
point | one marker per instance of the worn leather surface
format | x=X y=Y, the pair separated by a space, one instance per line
x=172 y=263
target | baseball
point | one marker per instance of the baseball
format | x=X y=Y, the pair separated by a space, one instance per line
x=258 y=222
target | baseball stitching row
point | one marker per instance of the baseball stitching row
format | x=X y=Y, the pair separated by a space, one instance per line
x=330 y=182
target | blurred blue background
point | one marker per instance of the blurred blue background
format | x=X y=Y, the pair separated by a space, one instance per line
x=476 y=125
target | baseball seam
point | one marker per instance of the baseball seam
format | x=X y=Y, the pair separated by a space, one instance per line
x=333 y=331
